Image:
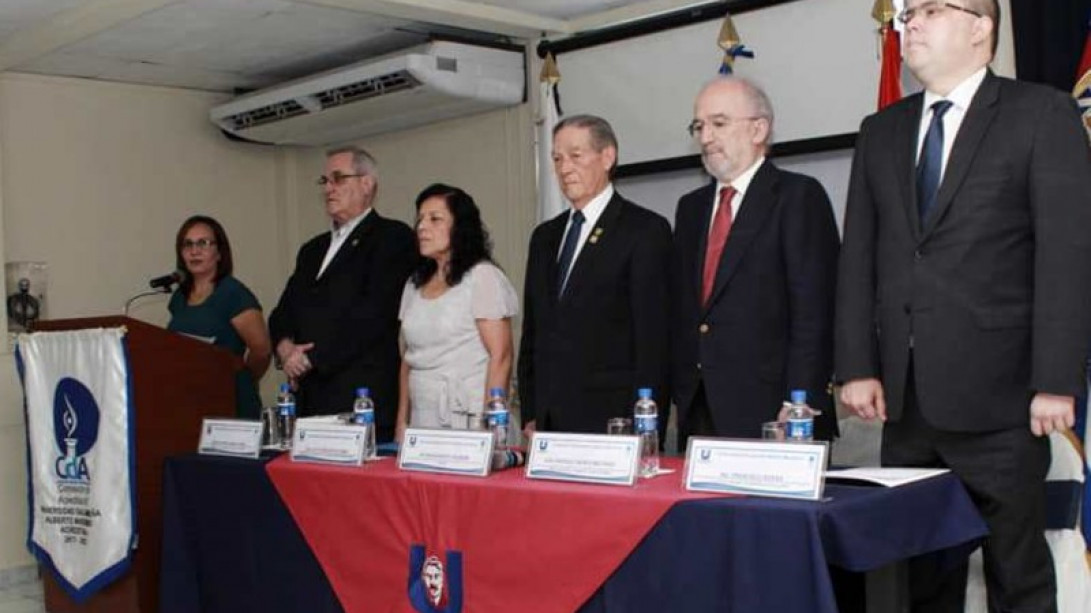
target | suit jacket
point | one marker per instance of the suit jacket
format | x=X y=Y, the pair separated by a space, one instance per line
x=768 y=325
x=993 y=291
x=583 y=356
x=350 y=313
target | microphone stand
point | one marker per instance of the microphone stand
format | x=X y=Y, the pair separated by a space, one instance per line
x=130 y=301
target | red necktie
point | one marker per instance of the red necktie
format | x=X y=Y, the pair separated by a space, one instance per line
x=721 y=227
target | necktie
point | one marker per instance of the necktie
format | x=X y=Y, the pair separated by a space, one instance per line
x=571 y=239
x=717 y=237
x=930 y=166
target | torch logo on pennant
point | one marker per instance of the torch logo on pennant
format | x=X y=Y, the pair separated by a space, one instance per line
x=75 y=428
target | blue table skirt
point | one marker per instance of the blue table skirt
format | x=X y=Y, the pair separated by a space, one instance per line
x=230 y=545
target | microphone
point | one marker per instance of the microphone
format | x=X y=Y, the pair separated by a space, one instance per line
x=163 y=283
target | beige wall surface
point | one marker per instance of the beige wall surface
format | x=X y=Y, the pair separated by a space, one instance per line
x=98 y=177
x=95 y=179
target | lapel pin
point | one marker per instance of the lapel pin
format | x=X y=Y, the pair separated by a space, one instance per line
x=355 y=241
x=595 y=236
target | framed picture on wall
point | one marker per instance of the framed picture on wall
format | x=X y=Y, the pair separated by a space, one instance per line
x=25 y=296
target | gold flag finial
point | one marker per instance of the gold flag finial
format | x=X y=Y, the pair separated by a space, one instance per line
x=549 y=73
x=883 y=11
x=729 y=37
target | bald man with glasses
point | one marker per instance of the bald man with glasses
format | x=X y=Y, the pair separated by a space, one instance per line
x=335 y=327
x=964 y=288
x=753 y=270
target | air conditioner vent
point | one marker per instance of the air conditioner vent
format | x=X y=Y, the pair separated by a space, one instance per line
x=437 y=81
x=368 y=88
x=447 y=64
x=266 y=114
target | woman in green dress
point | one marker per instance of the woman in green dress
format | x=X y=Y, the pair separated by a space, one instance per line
x=211 y=304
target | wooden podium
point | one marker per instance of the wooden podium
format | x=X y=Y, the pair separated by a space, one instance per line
x=177 y=381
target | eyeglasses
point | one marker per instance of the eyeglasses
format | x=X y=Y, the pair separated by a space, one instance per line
x=200 y=244
x=928 y=10
x=717 y=123
x=336 y=177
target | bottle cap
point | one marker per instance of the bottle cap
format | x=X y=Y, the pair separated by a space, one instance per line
x=496 y=391
x=644 y=392
x=285 y=388
x=799 y=396
x=362 y=392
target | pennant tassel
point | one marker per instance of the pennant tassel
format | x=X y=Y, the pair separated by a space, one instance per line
x=728 y=65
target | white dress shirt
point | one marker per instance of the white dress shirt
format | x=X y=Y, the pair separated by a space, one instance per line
x=960 y=98
x=741 y=184
x=591 y=213
x=338 y=234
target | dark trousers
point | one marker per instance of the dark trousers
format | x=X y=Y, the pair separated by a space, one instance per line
x=1004 y=472
x=698 y=420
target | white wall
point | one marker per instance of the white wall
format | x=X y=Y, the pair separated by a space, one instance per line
x=96 y=179
x=817 y=60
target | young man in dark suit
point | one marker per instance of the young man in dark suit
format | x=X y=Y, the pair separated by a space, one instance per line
x=754 y=272
x=595 y=316
x=335 y=327
x=965 y=279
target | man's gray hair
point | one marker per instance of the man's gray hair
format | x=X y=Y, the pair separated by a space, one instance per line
x=602 y=134
x=362 y=161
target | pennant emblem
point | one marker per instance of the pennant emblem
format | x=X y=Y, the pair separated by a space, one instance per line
x=1082 y=94
x=433 y=586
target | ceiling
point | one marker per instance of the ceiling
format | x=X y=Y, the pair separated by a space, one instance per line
x=238 y=45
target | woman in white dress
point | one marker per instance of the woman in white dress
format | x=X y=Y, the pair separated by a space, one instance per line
x=456 y=315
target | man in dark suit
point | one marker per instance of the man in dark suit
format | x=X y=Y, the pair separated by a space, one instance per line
x=595 y=316
x=336 y=325
x=962 y=307
x=754 y=271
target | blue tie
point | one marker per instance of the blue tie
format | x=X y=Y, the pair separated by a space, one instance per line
x=930 y=166
x=568 y=250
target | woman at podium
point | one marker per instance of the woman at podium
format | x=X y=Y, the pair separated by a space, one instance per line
x=456 y=315
x=214 y=306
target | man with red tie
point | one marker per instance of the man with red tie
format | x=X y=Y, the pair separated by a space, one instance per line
x=754 y=263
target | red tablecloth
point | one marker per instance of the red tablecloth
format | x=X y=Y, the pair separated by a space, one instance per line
x=530 y=546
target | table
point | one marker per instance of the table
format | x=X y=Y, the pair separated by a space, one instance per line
x=230 y=544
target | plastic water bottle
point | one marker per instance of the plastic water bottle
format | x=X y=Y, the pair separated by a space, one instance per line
x=499 y=420
x=363 y=414
x=508 y=458
x=646 y=421
x=800 y=418
x=496 y=412
x=285 y=415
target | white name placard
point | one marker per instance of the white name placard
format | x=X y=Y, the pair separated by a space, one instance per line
x=756 y=468
x=588 y=458
x=328 y=443
x=232 y=437
x=458 y=452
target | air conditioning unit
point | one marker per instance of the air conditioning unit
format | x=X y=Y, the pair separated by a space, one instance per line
x=436 y=81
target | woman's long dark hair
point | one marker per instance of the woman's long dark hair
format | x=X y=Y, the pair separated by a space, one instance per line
x=470 y=242
x=224 y=267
